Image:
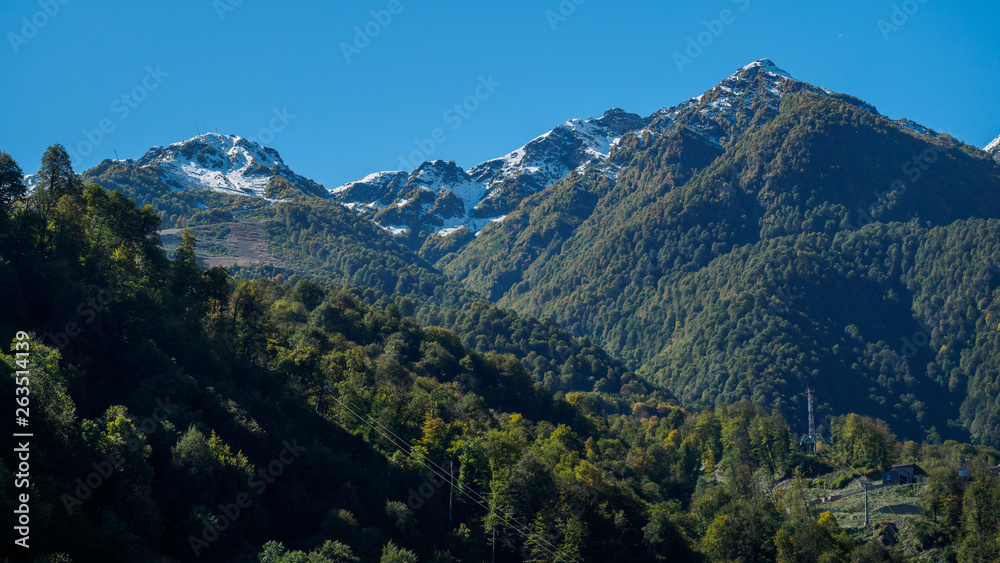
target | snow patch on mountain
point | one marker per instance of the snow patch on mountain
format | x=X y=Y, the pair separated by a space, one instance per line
x=374 y=191
x=441 y=197
x=550 y=157
x=490 y=190
x=767 y=66
x=223 y=163
x=916 y=127
x=30 y=181
x=713 y=114
x=993 y=148
x=753 y=91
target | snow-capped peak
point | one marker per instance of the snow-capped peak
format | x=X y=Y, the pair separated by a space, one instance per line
x=225 y=163
x=767 y=66
x=372 y=187
x=31 y=182
x=547 y=158
x=994 y=148
x=212 y=147
x=714 y=115
x=444 y=197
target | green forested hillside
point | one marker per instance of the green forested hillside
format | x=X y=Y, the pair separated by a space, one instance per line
x=882 y=320
x=749 y=271
x=317 y=237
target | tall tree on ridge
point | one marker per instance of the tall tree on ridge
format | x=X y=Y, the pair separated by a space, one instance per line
x=55 y=180
x=12 y=186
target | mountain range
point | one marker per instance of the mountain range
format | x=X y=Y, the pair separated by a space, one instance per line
x=762 y=237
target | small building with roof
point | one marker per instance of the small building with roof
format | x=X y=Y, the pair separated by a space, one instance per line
x=902 y=474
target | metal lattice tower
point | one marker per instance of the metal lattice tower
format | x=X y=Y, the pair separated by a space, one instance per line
x=811 y=439
x=812 y=421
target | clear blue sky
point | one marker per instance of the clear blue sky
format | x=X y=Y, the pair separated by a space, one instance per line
x=232 y=63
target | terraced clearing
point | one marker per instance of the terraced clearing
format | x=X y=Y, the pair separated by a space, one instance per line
x=893 y=511
x=237 y=243
x=885 y=504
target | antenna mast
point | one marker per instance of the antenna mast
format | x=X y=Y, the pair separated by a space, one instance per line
x=810 y=440
x=812 y=421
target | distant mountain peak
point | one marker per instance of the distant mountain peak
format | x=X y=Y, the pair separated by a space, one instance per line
x=442 y=197
x=749 y=76
x=714 y=115
x=767 y=66
x=491 y=189
x=439 y=196
x=994 y=148
x=620 y=121
x=224 y=163
x=215 y=144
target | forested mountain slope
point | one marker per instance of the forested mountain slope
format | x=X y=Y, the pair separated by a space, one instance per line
x=315 y=237
x=767 y=233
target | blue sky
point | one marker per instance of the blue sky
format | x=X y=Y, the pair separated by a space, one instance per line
x=147 y=72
